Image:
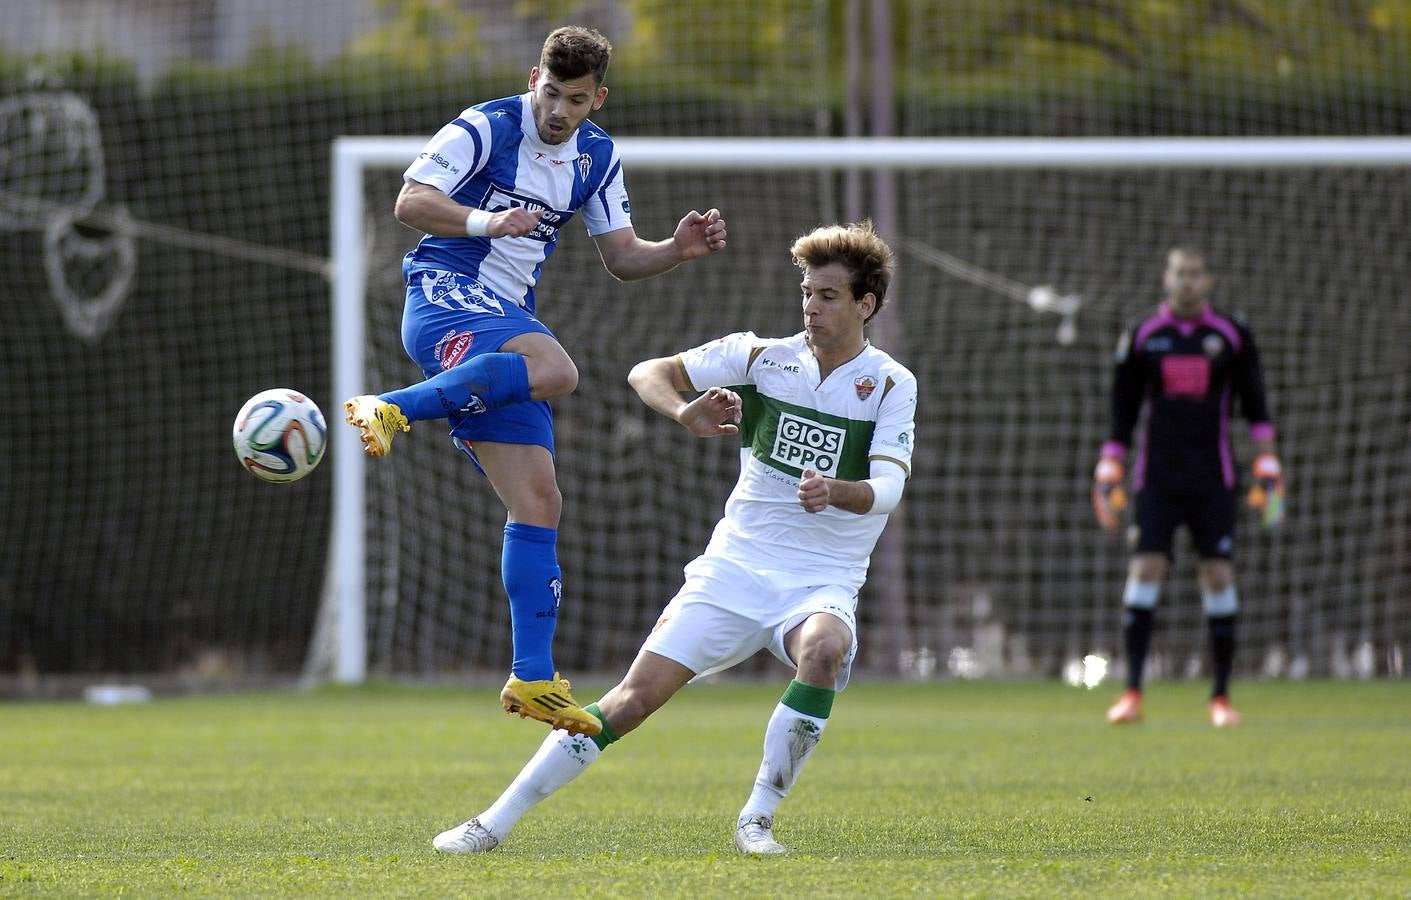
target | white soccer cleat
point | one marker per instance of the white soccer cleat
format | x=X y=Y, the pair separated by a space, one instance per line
x=754 y=836
x=469 y=837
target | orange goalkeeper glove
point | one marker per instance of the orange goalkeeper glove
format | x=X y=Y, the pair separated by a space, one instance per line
x=1109 y=499
x=1267 y=493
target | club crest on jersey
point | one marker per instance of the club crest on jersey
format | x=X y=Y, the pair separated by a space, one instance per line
x=585 y=165
x=453 y=347
x=864 y=385
x=1212 y=344
x=803 y=444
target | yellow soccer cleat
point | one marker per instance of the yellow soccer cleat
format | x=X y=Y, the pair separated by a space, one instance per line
x=549 y=701
x=377 y=420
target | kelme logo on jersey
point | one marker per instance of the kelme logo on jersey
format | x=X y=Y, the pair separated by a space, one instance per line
x=802 y=444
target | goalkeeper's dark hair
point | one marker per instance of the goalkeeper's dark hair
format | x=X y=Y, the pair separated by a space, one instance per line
x=858 y=248
x=574 y=51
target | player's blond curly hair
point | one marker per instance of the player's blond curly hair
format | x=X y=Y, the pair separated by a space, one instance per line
x=574 y=51
x=858 y=248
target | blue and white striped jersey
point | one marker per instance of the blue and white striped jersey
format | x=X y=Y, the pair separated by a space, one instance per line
x=491 y=158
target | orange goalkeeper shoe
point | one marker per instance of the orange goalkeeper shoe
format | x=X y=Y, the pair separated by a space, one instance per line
x=549 y=701
x=1127 y=709
x=1222 y=714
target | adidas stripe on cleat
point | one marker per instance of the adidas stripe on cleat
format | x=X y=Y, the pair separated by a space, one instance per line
x=548 y=700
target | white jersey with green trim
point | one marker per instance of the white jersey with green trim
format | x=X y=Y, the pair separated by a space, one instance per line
x=792 y=420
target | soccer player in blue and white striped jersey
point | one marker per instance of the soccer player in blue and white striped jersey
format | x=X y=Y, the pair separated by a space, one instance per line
x=491 y=190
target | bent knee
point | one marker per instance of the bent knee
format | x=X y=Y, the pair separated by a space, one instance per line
x=537 y=506
x=550 y=378
x=825 y=654
x=1215 y=575
x=1148 y=567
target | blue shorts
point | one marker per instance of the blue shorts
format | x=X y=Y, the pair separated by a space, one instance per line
x=450 y=318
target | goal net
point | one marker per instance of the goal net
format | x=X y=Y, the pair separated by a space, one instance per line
x=1020 y=262
x=165 y=232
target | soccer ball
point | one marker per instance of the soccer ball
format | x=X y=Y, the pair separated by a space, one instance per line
x=280 y=435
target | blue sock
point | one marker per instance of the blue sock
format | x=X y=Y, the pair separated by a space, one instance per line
x=529 y=566
x=487 y=381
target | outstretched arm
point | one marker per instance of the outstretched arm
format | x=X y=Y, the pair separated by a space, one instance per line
x=660 y=383
x=630 y=258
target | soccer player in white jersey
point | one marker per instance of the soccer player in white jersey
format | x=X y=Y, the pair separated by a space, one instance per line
x=491 y=190
x=826 y=422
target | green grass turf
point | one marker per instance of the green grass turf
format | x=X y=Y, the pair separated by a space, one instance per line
x=987 y=789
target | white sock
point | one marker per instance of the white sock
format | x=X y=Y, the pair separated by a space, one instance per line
x=557 y=762
x=788 y=741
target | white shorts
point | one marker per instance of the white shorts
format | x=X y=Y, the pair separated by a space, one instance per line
x=700 y=630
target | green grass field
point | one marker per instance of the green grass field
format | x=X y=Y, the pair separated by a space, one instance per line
x=985 y=789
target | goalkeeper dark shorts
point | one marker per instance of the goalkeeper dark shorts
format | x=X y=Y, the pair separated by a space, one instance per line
x=1208 y=513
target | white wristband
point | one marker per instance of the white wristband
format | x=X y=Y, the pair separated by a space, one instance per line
x=477 y=222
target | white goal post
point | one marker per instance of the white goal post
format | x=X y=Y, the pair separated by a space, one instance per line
x=343 y=613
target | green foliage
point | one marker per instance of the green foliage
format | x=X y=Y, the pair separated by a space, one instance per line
x=723 y=43
x=916 y=790
x=961 y=66
x=421 y=35
x=970 y=47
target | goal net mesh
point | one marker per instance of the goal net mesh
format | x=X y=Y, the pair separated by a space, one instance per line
x=1002 y=570
x=164 y=189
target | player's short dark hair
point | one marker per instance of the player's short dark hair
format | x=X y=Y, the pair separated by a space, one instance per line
x=858 y=248
x=574 y=51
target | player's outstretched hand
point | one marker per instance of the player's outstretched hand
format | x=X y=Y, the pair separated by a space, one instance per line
x=713 y=413
x=513 y=222
x=1108 y=497
x=813 y=491
x=700 y=235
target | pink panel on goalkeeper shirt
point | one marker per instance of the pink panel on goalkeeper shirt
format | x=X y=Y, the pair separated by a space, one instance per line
x=1185 y=376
